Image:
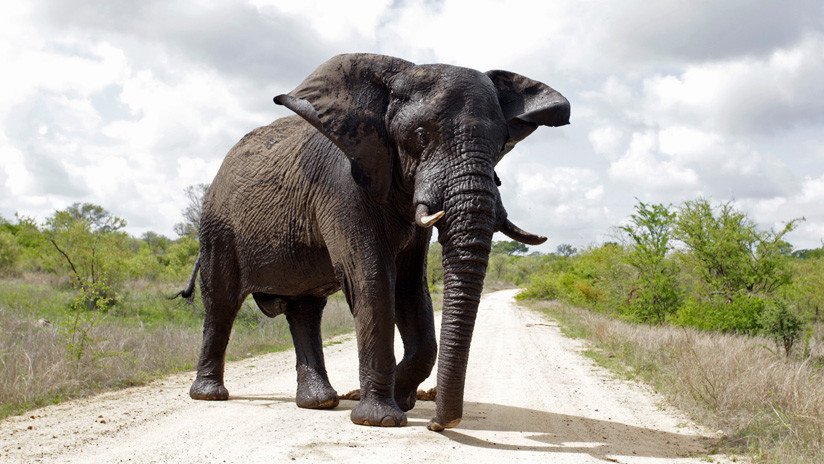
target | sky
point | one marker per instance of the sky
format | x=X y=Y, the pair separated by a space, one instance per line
x=124 y=103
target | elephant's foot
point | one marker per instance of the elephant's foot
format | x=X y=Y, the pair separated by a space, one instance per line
x=381 y=412
x=405 y=396
x=208 y=389
x=314 y=392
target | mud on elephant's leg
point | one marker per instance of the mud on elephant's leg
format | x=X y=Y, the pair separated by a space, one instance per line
x=221 y=310
x=415 y=320
x=314 y=391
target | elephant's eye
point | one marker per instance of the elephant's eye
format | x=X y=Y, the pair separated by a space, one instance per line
x=422 y=137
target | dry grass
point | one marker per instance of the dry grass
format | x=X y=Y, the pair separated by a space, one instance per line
x=39 y=366
x=767 y=405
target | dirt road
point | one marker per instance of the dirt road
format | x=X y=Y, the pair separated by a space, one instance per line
x=530 y=397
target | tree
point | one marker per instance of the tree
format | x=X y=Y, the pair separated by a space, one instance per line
x=190 y=226
x=655 y=293
x=509 y=247
x=732 y=254
x=566 y=250
x=159 y=244
x=89 y=242
x=741 y=271
x=809 y=253
x=96 y=217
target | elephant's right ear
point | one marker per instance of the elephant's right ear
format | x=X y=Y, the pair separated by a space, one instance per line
x=527 y=104
x=346 y=100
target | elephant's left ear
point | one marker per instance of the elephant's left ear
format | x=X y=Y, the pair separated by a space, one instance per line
x=527 y=104
x=346 y=100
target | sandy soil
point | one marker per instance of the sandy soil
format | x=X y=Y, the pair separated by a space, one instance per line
x=530 y=397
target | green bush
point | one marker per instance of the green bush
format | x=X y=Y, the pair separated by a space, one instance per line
x=95 y=296
x=654 y=298
x=597 y=278
x=541 y=287
x=741 y=314
x=9 y=253
x=781 y=324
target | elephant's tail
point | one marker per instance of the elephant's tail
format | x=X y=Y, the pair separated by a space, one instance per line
x=189 y=291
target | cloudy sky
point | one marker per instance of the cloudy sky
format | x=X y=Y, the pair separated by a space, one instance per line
x=125 y=103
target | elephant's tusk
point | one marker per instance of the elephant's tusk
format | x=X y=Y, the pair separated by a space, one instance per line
x=516 y=233
x=430 y=220
x=424 y=219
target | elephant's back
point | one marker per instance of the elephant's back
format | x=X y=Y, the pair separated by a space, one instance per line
x=264 y=196
x=260 y=170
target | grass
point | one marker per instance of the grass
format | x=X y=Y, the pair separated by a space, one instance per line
x=767 y=405
x=48 y=354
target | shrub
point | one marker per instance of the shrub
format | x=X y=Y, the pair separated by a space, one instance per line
x=782 y=325
x=9 y=253
x=654 y=298
x=741 y=314
x=541 y=287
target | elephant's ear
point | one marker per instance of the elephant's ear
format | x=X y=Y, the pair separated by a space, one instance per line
x=527 y=104
x=346 y=100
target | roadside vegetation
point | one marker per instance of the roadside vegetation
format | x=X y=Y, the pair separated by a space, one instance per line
x=766 y=405
x=721 y=316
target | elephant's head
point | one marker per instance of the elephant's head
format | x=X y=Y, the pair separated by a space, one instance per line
x=435 y=131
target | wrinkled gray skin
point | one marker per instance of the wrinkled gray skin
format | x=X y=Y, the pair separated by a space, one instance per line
x=327 y=200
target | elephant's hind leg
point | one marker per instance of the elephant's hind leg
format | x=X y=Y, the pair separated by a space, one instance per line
x=304 y=316
x=221 y=307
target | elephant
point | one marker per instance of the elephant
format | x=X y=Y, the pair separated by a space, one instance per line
x=343 y=195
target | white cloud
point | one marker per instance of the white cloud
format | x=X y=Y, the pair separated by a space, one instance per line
x=18 y=180
x=606 y=140
x=62 y=144
x=807 y=203
x=127 y=105
x=686 y=142
x=642 y=168
x=562 y=202
x=681 y=30
x=759 y=95
x=337 y=21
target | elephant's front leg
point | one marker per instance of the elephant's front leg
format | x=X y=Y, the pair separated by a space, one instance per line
x=417 y=329
x=413 y=314
x=372 y=306
x=304 y=316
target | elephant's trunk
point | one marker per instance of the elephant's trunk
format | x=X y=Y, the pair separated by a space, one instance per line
x=466 y=235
